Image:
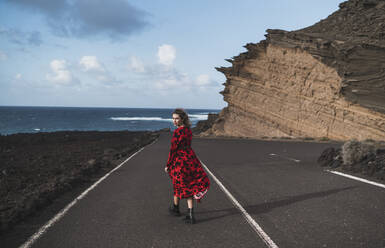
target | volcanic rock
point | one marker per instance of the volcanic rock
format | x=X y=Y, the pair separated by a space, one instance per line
x=37 y=168
x=204 y=125
x=366 y=158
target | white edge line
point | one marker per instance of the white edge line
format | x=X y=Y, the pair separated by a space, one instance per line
x=293 y=159
x=59 y=215
x=357 y=178
x=257 y=228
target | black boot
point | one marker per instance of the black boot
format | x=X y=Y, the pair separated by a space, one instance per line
x=190 y=219
x=174 y=210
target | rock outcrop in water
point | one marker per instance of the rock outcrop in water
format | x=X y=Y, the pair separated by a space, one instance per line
x=204 y=125
x=327 y=80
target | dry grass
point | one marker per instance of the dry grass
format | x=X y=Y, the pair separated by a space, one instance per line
x=354 y=151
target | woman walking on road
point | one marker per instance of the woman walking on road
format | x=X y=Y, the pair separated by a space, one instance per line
x=189 y=179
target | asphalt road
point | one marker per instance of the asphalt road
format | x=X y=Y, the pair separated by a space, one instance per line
x=279 y=184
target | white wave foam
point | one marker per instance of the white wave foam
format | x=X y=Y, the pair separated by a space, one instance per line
x=139 y=119
x=199 y=117
x=193 y=117
x=36 y=129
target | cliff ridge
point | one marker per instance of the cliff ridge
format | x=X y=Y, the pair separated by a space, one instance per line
x=326 y=80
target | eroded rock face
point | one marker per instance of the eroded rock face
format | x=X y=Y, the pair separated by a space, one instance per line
x=314 y=82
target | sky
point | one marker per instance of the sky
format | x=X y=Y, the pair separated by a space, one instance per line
x=133 y=53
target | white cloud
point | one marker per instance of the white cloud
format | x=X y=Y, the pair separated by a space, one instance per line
x=136 y=65
x=178 y=81
x=163 y=77
x=202 y=80
x=166 y=54
x=60 y=73
x=18 y=76
x=170 y=79
x=106 y=79
x=3 y=56
x=97 y=71
x=91 y=63
x=169 y=83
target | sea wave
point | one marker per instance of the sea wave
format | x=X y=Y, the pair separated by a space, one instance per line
x=198 y=116
x=139 y=119
x=193 y=117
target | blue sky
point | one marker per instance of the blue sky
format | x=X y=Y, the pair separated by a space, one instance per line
x=122 y=53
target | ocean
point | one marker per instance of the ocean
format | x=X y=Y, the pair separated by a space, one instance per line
x=50 y=119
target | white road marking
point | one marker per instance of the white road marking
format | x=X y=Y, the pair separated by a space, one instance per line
x=59 y=215
x=293 y=159
x=357 y=178
x=257 y=228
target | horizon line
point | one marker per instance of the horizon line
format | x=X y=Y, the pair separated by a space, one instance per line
x=41 y=106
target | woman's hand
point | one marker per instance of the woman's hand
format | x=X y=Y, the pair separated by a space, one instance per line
x=166 y=169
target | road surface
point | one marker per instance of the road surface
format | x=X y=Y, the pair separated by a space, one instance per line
x=279 y=185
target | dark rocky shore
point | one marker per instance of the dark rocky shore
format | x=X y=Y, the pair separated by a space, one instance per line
x=37 y=168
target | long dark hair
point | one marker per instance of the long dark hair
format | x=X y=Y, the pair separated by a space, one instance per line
x=184 y=116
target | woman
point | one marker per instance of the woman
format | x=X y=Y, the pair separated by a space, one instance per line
x=184 y=168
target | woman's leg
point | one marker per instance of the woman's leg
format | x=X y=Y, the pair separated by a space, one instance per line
x=190 y=216
x=174 y=210
x=190 y=202
x=176 y=200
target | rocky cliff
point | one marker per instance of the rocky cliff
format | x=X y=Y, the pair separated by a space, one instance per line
x=327 y=80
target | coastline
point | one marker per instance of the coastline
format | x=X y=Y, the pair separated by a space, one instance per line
x=37 y=168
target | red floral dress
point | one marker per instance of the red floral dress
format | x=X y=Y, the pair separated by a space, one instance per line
x=184 y=168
